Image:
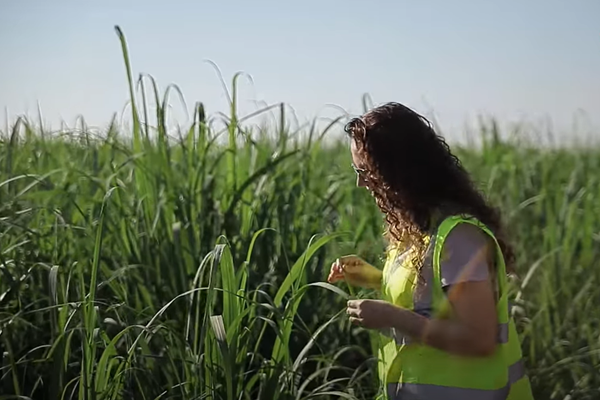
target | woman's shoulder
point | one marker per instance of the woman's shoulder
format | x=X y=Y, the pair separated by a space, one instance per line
x=465 y=254
x=468 y=232
x=464 y=224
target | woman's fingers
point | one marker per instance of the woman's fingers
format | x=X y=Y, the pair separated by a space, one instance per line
x=336 y=273
x=354 y=311
x=349 y=264
x=343 y=266
x=338 y=266
x=352 y=304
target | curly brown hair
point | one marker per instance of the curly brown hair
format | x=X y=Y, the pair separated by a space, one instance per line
x=415 y=178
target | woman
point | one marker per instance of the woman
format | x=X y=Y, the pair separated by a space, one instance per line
x=444 y=284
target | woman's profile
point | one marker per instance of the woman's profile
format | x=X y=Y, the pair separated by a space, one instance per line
x=444 y=307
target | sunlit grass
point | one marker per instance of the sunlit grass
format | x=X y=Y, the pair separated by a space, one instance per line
x=141 y=266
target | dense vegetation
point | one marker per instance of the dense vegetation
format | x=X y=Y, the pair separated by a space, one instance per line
x=153 y=267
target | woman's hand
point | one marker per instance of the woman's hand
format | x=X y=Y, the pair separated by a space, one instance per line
x=371 y=314
x=356 y=271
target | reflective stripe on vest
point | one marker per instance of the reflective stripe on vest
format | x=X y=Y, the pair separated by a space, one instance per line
x=415 y=391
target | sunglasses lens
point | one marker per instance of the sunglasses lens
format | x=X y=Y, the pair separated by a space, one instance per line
x=359 y=171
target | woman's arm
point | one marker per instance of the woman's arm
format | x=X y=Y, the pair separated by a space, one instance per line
x=472 y=330
x=467 y=277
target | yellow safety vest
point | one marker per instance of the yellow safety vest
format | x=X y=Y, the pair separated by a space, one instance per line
x=416 y=371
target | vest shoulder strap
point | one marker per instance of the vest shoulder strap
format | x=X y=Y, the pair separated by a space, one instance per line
x=440 y=301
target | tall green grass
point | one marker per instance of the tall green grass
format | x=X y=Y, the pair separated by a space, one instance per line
x=147 y=266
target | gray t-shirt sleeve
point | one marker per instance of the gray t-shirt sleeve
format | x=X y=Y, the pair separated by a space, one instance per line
x=465 y=256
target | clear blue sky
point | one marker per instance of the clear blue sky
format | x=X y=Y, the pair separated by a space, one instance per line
x=456 y=59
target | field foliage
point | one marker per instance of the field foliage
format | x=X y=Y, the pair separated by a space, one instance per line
x=190 y=266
